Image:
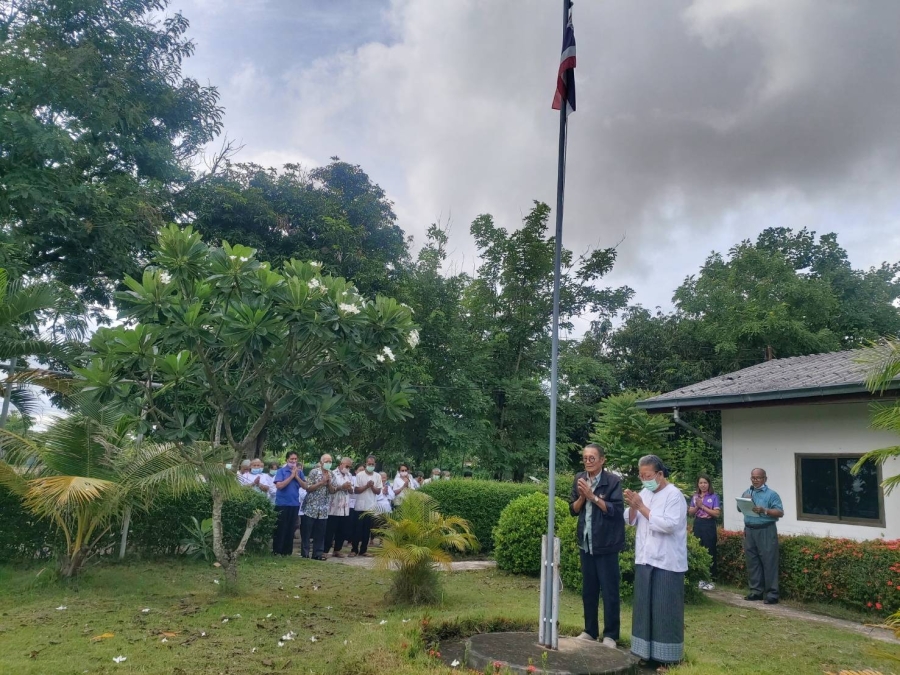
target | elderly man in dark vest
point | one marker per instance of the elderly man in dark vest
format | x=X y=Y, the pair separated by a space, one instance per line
x=597 y=501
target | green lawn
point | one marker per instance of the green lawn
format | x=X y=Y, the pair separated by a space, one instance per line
x=343 y=608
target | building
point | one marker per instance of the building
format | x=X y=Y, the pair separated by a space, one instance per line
x=805 y=420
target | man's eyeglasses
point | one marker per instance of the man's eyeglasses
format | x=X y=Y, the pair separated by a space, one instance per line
x=589 y=459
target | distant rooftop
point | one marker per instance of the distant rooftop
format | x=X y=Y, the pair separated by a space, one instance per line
x=835 y=374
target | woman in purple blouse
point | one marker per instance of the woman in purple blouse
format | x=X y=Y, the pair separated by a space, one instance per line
x=705 y=509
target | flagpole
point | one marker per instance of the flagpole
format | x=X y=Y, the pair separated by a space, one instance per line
x=548 y=558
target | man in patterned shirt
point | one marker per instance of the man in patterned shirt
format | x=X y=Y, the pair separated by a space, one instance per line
x=315 y=509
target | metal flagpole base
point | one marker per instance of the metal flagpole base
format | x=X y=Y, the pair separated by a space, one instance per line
x=548 y=630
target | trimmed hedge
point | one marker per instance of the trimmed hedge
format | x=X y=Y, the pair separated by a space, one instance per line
x=479 y=501
x=23 y=536
x=518 y=533
x=159 y=531
x=863 y=575
x=518 y=539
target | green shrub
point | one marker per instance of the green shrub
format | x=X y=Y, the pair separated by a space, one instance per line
x=863 y=575
x=699 y=561
x=23 y=536
x=159 y=531
x=517 y=537
x=478 y=501
x=564 y=483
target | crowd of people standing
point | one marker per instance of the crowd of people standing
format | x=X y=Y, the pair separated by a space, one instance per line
x=331 y=506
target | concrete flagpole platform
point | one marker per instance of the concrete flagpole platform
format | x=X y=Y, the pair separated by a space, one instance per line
x=522 y=653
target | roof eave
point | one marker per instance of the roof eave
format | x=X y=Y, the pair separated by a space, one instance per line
x=746 y=400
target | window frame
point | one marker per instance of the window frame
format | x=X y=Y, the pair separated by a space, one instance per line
x=816 y=518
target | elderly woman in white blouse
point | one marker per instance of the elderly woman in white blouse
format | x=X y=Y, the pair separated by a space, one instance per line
x=659 y=512
x=257 y=479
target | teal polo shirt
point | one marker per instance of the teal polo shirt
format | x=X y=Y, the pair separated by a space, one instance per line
x=766 y=498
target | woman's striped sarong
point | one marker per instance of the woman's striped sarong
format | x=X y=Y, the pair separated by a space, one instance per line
x=657 y=619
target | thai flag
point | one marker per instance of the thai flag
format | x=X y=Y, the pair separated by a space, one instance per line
x=565 y=80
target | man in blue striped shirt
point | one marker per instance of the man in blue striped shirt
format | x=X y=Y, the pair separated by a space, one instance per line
x=761 y=539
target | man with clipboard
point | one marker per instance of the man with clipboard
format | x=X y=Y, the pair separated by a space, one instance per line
x=761 y=537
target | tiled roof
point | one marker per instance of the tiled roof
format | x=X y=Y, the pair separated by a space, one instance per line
x=830 y=374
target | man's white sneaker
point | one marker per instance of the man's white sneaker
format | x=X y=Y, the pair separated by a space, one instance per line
x=585 y=636
x=609 y=642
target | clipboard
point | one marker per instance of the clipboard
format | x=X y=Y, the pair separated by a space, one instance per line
x=746 y=506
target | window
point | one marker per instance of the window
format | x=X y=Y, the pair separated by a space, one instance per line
x=827 y=491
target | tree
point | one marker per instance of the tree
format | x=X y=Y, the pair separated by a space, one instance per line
x=627 y=433
x=246 y=345
x=83 y=472
x=416 y=537
x=334 y=214
x=510 y=307
x=884 y=363
x=97 y=126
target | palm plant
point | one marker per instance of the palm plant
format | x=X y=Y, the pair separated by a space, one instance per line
x=84 y=472
x=416 y=539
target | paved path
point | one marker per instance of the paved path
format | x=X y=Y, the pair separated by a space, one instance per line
x=786 y=612
x=459 y=566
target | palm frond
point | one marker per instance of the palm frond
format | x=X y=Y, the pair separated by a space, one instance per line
x=12 y=480
x=882 y=363
x=23 y=454
x=48 y=495
x=886 y=418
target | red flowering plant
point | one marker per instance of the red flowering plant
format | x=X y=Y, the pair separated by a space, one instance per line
x=859 y=574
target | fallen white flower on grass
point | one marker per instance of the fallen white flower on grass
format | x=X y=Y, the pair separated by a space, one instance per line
x=328 y=607
x=289 y=636
x=225 y=620
x=281 y=644
x=345 y=642
x=296 y=597
x=253 y=651
x=237 y=616
x=146 y=610
x=405 y=620
x=382 y=622
x=268 y=616
x=215 y=581
x=119 y=659
x=164 y=640
x=454 y=663
x=203 y=634
x=61 y=608
x=315 y=588
x=313 y=639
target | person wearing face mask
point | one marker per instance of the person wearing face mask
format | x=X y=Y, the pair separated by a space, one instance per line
x=315 y=510
x=341 y=488
x=354 y=516
x=273 y=468
x=368 y=485
x=244 y=477
x=403 y=483
x=288 y=482
x=435 y=476
x=659 y=512
x=386 y=499
x=257 y=479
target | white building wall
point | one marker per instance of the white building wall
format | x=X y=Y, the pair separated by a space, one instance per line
x=770 y=437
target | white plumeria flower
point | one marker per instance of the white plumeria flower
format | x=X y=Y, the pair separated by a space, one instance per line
x=316 y=264
x=380 y=358
x=203 y=634
x=288 y=636
x=165 y=277
x=411 y=310
x=329 y=607
x=345 y=642
x=146 y=610
x=454 y=663
x=388 y=354
x=253 y=651
x=314 y=283
x=313 y=639
x=347 y=308
x=225 y=620
x=413 y=338
x=61 y=608
x=244 y=258
x=315 y=588
x=215 y=581
x=164 y=640
x=405 y=620
x=268 y=616
x=281 y=644
x=237 y=616
x=119 y=659
x=382 y=622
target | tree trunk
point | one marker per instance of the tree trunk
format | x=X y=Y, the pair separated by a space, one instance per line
x=229 y=559
x=126 y=523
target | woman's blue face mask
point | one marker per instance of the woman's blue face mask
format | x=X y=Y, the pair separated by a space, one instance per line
x=256 y=470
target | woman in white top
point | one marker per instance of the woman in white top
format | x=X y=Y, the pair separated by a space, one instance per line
x=659 y=511
x=403 y=483
x=385 y=499
x=341 y=489
x=257 y=479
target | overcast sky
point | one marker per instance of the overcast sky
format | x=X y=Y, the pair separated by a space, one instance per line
x=698 y=124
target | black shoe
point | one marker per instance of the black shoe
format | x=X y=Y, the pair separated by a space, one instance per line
x=771 y=601
x=753 y=597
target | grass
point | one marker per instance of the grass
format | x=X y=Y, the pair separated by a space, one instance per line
x=343 y=607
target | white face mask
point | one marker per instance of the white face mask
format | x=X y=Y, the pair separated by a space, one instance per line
x=404 y=473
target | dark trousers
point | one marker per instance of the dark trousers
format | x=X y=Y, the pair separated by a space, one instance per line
x=363 y=531
x=285 y=524
x=351 y=531
x=336 y=532
x=312 y=528
x=761 y=555
x=600 y=574
x=705 y=531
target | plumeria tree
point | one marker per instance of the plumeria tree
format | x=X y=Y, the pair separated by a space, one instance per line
x=217 y=345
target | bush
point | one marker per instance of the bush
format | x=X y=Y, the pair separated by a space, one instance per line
x=23 y=535
x=570 y=562
x=478 y=501
x=517 y=536
x=159 y=531
x=863 y=575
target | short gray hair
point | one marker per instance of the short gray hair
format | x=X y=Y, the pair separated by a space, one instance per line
x=246 y=462
x=655 y=462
